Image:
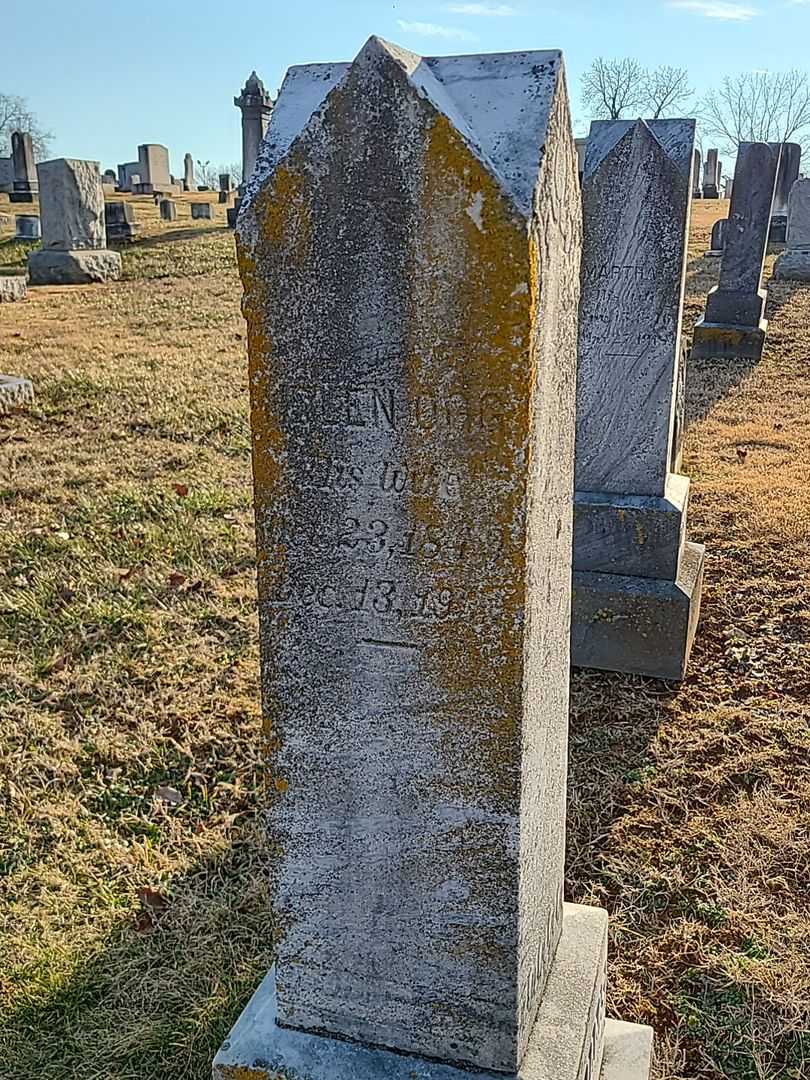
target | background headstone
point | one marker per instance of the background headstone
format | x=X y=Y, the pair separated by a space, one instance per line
x=630 y=560
x=27 y=227
x=119 y=222
x=790 y=159
x=6 y=175
x=404 y=220
x=718 y=238
x=256 y=106
x=127 y=174
x=711 y=175
x=733 y=325
x=201 y=210
x=794 y=264
x=153 y=161
x=24 y=185
x=189 y=183
x=168 y=210
x=696 y=189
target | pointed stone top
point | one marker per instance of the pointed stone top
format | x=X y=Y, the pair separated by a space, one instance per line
x=676 y=138
x=498 y=102
x=254 y=83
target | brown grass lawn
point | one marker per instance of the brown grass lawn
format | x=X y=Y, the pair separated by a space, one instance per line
x=133 y=910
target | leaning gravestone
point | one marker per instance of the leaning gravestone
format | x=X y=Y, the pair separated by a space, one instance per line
x=711 y=176
x=636 y=582
x=733 y=325
x=794 y=264
x=74 y=242
x=410 y=249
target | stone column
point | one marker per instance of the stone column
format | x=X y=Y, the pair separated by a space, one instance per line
x=636 y=583
x=74 y=243
x=257 y=106
x=790 y=159
x=410 y=254
x=24 y=186
x=189 y=183
x=696 y=189
x=711 y=176
x=794 y=264
x=734 y=323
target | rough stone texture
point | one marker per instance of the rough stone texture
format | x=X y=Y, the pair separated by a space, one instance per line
x=794 y=264
x=696 y=191
x=733 y=325
x=119 y=222
x=73 y=267
x=256 y=106
x=168 y=210
x=628 y=1051
x=14 y=392
x=202 y=210
x=12 y=287
x=24 y=184
x=71 y=205
x=630 y=509
x=27 y=227
x=189 y=183
x=718 y=240
x=711 y=175
x=153 y=166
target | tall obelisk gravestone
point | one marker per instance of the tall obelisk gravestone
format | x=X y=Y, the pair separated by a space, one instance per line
x=734 y=324
x=410 y=253
x=636 y=582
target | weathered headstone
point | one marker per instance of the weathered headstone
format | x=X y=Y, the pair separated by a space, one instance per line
x=256 y=106
x=232 y=213
x=733 y=325
x=718 y=238
x=74 y=243
x=153 y=161
x=412 y=412
x=119 y=223
x=794 y=264
x=636 y=582
x=127 y=175
x=201 y=210
x=15 y=392
x=580 y=146
x=189 y=183
x=728 y=187
x=711 y=176
x=6 y=175
x=696 y=190
x=168 y=210
x=12 y=287
x=24 y=186
x=790 y=159
x=109 y=177
x=27 y=227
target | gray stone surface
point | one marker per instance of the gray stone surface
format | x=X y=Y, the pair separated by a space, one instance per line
x=189 y=184
x=794 y=264
x=718 y=239
x=643 y=626
x=202 y=210
x=127 y=173
x=711 y=175
x=15 y=392
x=27 y=227
x=12 y=287
x=55 y=267
x=153 y=166
x=168 y=210
x=119 y=222
x=628 y=1051
x=225 y=182
x=790 y=160
x=256 y=106
x=6 y=174
x=728 y=187
x=71 y=205
x=24 y=185
x=696 y=189
x=733 y=325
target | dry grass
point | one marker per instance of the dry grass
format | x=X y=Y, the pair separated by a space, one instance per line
x=133 y=914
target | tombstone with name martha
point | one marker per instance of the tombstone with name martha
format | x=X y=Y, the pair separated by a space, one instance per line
x=711 y=176
x=794 y=263
x=696 y=190
x=202 y=210
x=790 y=159
x=734 y=325
x=24 y=186
x=74 y=242
x=189 y=184
x=409 y=248
x=27 y=227
x=636 y=583
x=119 y=222
x=168 y=210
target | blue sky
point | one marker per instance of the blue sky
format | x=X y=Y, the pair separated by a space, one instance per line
x=104 y=77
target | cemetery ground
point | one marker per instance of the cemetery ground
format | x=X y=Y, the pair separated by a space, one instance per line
x=133 y=912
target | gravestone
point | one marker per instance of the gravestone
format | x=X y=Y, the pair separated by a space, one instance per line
x=696 y=191
x=128 y=174
x=636 y=583
x=6 y=175
x=794 y=264
x=153 y=162
x=718 y=238
x=14 y=393
x=168 y=210
x=733 y=325
x=119 y=223
x=188 y=174
x=232 y=213
x=412 y=412
x=580 y=146
x=74 y=243
x=790 y=159
x=256 y=106
x=201 y=210
x=12 y=287
x=24 y=185
x=27 y=227
x=224 y=181
x=711 y=176
x=728 y=187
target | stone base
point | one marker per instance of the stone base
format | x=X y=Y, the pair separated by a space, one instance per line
x=640 y=626
x=722 y=341
x=569 y=1041
x=14 y=392
x=121 y=233
x=710 y=193
x=73 y=267
x=792 y=266
x=13 y=287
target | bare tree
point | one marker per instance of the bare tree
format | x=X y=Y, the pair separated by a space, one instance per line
x=757 y=107
x=16 y=116
x=611 y=88
x=235 y=169
x=206 y=175
x=666 y=91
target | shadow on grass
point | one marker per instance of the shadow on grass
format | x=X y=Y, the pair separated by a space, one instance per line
x=156 y=997
x=169 y=237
